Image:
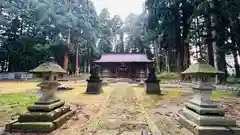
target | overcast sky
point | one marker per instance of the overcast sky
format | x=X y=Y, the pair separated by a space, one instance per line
x=120 y=7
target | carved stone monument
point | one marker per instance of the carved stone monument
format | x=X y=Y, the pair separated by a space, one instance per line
x=49 y=112
x=200 y=115
x=94 y=85
x=152 y=83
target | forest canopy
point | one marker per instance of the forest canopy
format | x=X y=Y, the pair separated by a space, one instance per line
x=171 y=32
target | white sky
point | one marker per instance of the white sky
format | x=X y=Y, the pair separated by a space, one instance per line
x=120 y=7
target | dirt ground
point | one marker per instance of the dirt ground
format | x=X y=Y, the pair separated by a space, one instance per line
x=125 y=109
x=164 y=112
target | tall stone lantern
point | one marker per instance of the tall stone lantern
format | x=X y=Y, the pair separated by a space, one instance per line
x=152 y=83
x=94 y=85
x=142 y=78
x=200 y=115
x=49 y=112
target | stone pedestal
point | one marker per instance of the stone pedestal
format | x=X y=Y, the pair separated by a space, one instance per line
x=45 y=115
x=201 y=116
x=141 y=82
x=94 y=87
x=152 y=87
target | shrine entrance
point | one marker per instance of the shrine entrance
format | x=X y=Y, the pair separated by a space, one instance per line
x=123 y=71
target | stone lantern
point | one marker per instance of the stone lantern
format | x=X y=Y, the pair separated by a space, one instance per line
x=200 y=115
x=152 y=83
x=105 y=73
x=49 y=112
x=94 y=85
x=142 y=77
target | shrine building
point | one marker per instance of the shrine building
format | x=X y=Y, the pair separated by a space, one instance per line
x=123 y=65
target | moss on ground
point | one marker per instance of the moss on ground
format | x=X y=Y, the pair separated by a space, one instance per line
x=217 y=94
x=14 y=103
x=168 y=76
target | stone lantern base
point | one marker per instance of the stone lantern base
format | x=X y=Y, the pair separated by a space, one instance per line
x=207 y=120
x=42 y=117
x=152 y=87
x=94 y=87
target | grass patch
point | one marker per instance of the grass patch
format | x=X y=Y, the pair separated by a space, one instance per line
x=14 y=103
x=149 y=100
x=72 y=95
x=217 y=94
x=167 y=76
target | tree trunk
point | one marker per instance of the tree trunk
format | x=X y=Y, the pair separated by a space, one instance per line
x=179 y=47
x=222 y=65
x=214 y=37
x=122 y=42
x=234 y=50
x=185 y=31
x=89 y=59
x=236 y=64
x=156 y=56
x=66 y=59
x=76 y=63
x=85 y=65
x=167 y=63
x=207 y=21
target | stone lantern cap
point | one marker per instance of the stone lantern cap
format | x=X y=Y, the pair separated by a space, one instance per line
x=49 y=66
x=201 y=67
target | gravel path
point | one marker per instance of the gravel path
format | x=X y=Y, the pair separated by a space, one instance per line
x=122 y=115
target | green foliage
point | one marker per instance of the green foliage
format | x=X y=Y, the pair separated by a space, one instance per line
x=34 y=29
x=233 y=80
x=167 y=76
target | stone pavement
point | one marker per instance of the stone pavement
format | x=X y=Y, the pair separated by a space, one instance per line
x=122 y=115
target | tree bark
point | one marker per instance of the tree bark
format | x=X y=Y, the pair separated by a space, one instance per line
x=122 y=42
x=214 y=37
x=208 y=40
x=235 y=48
x=65 y=61
x=178 y=45
x=185 y=31
x=222 y=65
x=236 y=63
x=167 y=63
x=156 y=56
x=76 y=63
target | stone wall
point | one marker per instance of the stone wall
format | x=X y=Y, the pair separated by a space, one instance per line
x=16 y=76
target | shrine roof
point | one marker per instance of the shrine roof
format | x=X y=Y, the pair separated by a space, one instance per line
x=123 y=57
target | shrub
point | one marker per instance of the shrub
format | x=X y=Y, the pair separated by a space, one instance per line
x=167 y=76
x=233 y=80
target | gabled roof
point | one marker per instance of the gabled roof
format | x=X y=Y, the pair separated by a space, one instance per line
x=201 y=67
x=49 y=66
x=121 y=57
